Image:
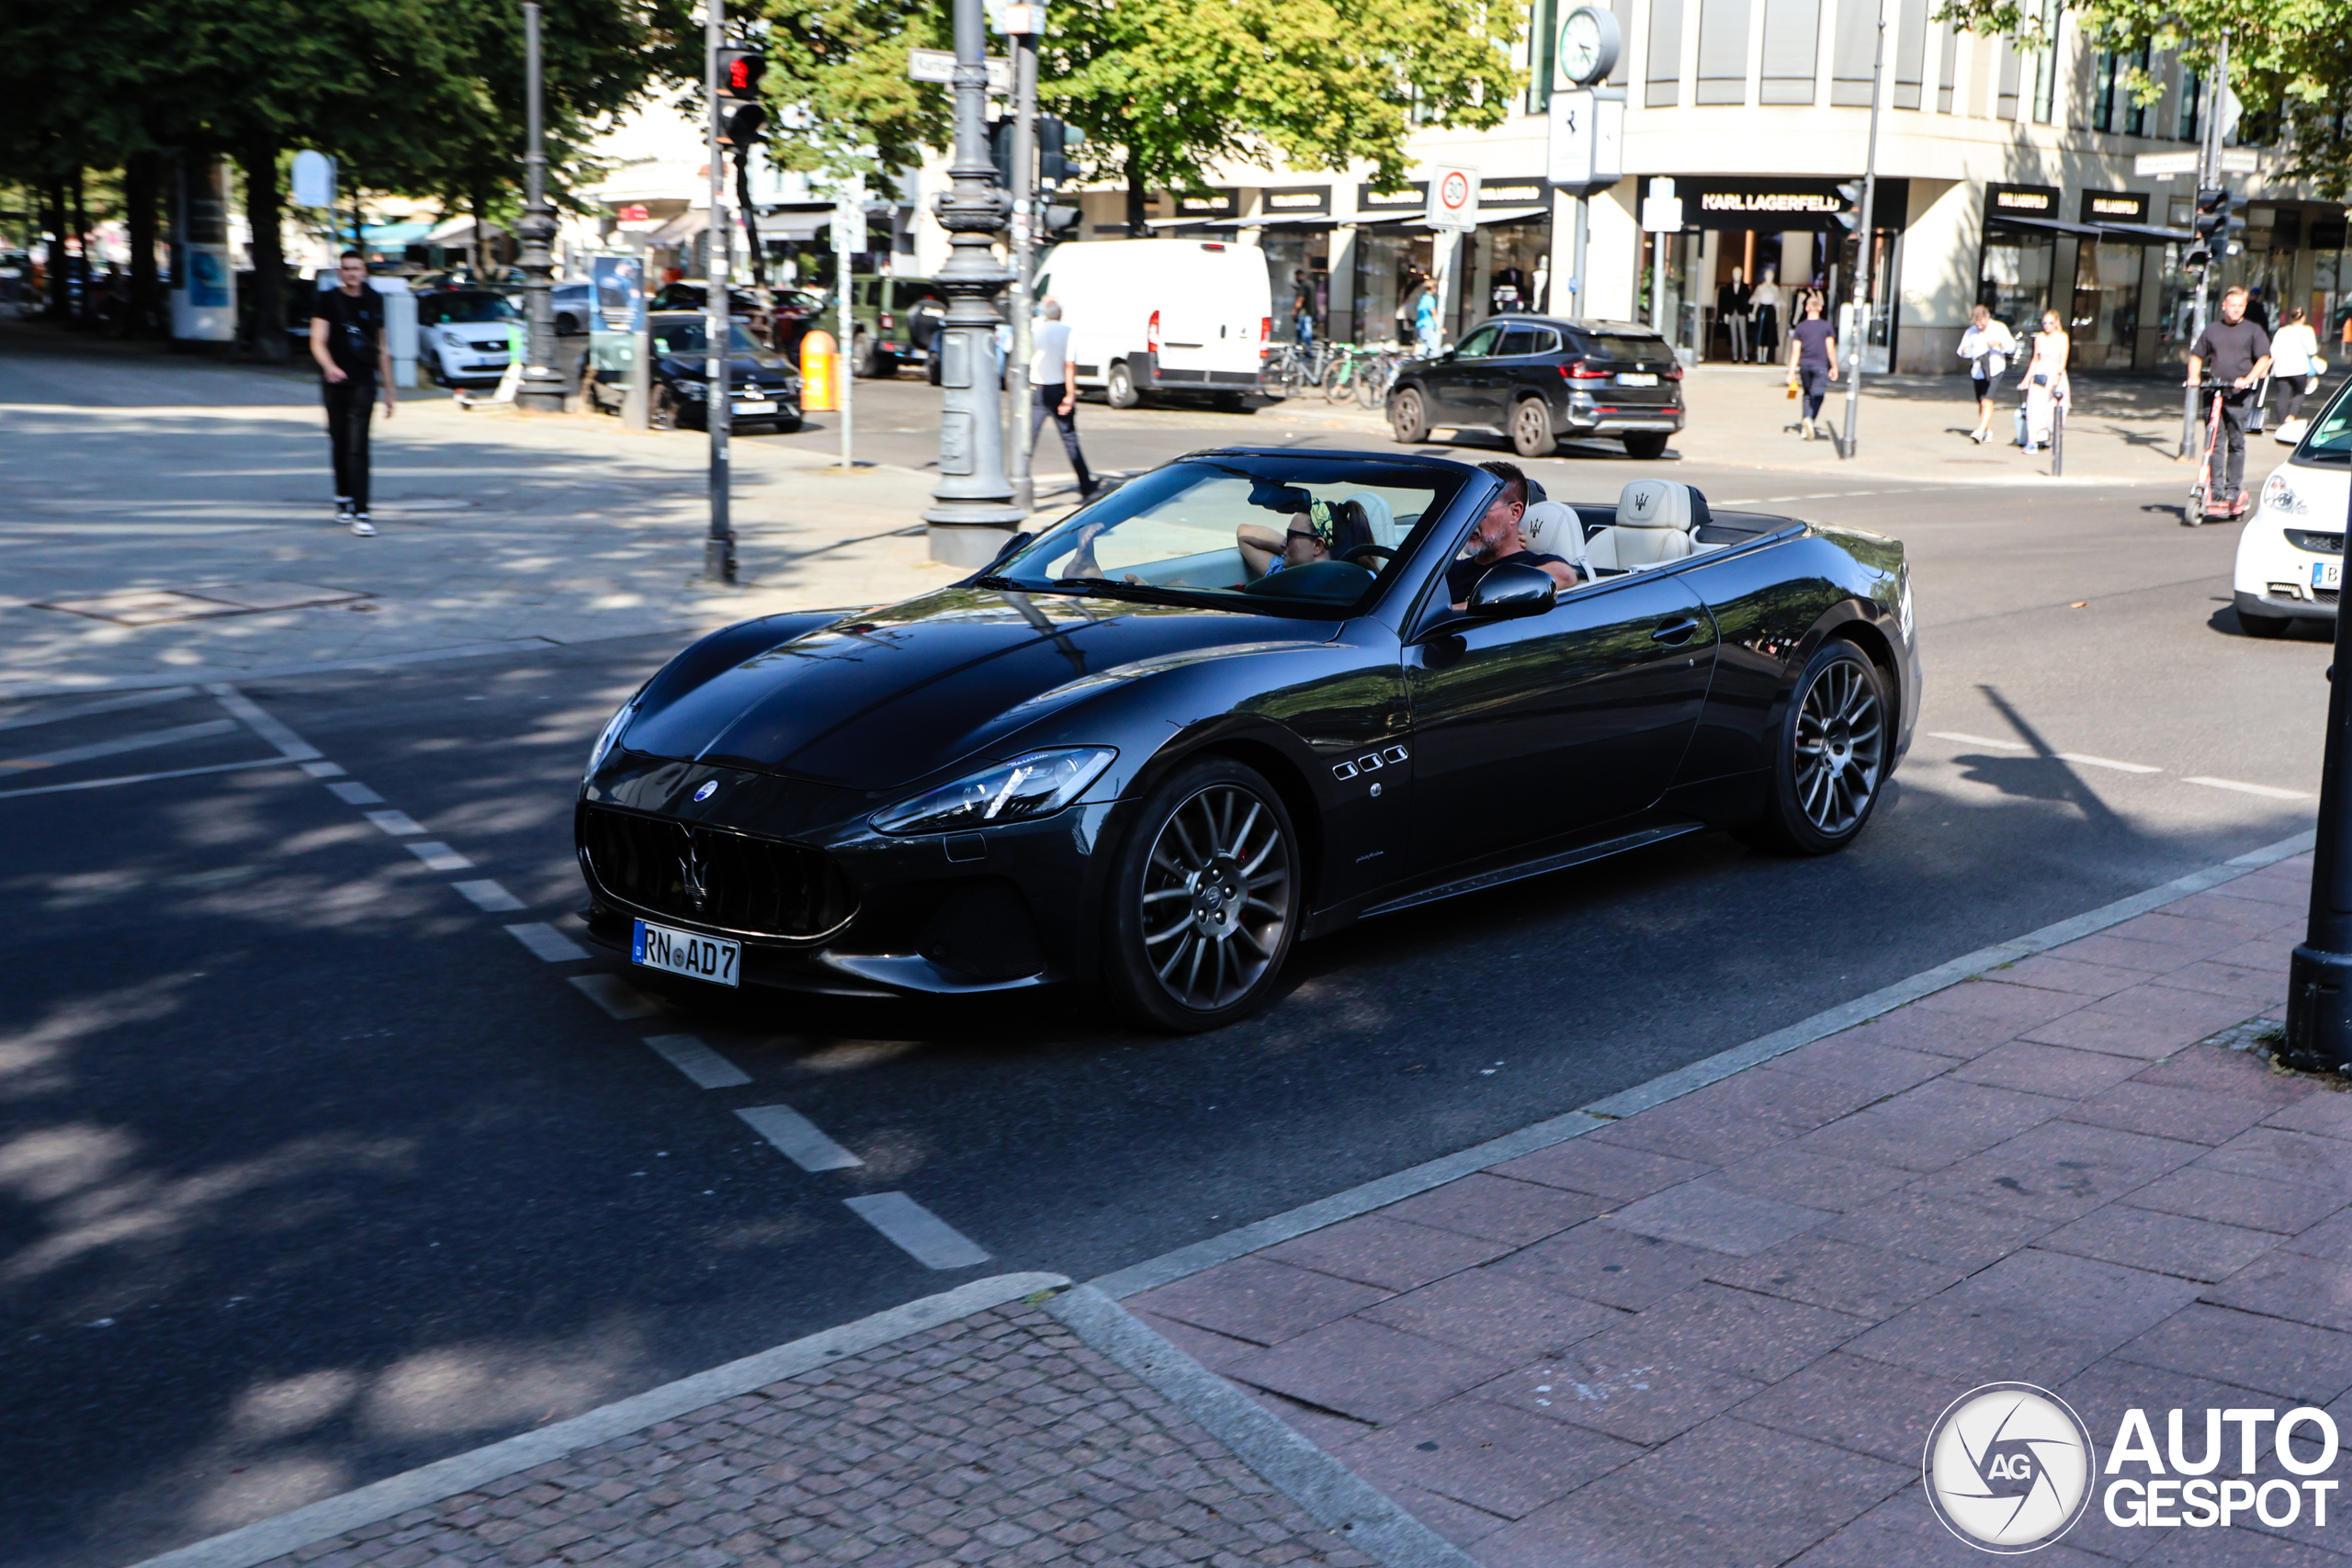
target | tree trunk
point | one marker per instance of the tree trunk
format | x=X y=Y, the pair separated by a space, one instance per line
x=1137 y=198
x=481 y=236
x=60 y=270
x=266 y=212
x=142 y=179
x=85 y=277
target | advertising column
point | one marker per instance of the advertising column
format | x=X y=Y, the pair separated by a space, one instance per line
x=204 y=284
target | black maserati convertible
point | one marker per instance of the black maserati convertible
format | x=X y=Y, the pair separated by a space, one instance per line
x=1248 y=698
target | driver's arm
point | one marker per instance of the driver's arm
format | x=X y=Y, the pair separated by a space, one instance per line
x=1259 y=547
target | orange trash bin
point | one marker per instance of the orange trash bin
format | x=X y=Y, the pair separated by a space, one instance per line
x=820 y=364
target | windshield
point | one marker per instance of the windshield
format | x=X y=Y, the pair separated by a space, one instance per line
x=466 y=307
x=1289 y=535
x=686 y=337
x=2329 y=440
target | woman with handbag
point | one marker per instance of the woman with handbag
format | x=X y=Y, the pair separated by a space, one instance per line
x=2045 y=381
x=1813 y=364
x=2296 y=366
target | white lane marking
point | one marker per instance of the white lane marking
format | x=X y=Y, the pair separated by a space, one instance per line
x=2089 y=761
x=705 y=1066
x=790 y=1131
x=615 y=995
x=546 y=942
x=489 y=897
x=399 y=824
x=323 y=770
x=932 y=1241
x=293 y=746
x=145 y=778
x=146 y=740
x=351 y=792
x=1978 y=740
x=439 y=856
x=105 y=704
x=2266 y=791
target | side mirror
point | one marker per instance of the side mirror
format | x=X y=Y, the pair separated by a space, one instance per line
x=1512 y=591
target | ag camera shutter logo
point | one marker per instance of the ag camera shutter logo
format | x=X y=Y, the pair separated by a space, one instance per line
x=2008 y=1468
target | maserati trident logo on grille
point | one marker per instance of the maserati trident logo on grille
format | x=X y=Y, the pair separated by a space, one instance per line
x=693 y=875
x=707 y=790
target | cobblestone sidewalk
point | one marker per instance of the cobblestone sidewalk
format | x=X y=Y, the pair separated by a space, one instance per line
x=1716 y=1332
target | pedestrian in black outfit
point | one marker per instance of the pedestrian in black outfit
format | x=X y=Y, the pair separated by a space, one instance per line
x=2235 y=352
x=347 y=340
x=1813 y=363
x=1055 y=375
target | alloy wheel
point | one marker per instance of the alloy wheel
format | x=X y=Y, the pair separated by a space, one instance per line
x=1839 y=746
x=1217 y=896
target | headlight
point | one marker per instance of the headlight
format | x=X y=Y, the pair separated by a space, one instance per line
x=693 y=390
x=2278 y=495
x=612 y=735
x=1019 y=791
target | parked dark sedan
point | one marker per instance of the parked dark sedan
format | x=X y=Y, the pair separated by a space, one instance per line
x=1116 y=755
x=1541 y=379
x=764 y=389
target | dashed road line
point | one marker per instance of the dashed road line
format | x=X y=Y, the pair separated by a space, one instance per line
x=795 y=1136
x=439 y=856
x=930 y=1240
x=1955 y=734
x=546 y=942
x=351 y=792
x=2090 y=761
x=104 y=705
x=323 y=770
x=615 y=995
x=145 y=741
x=489 y=897
x=2266 y=791
x=399 y=824
x=704 y=1066
x=290 y=745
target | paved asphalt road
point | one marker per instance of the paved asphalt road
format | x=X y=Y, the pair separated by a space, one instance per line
x=310 y=1172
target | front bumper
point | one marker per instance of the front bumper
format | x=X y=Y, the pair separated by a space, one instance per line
x=2268 y=604
x=933 y=914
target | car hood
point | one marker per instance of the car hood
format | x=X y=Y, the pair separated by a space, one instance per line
x=892 y=696
x=689 y=367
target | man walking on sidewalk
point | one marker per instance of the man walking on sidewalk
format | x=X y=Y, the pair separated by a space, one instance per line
x=347 y=340
x=1054 y=375
x=2235 y=352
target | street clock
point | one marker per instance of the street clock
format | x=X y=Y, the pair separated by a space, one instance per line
x=1590 y=43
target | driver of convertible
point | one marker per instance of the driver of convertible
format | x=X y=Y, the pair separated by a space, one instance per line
x=1497 y=539
x=1325 y=531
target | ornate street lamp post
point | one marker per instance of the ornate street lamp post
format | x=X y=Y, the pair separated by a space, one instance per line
x=542 y=388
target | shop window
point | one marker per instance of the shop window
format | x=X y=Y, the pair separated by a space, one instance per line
x=2105 y=325
x=1947 y=69
x=1722 y=52
x=1910 y=51
x=2013 y=280
x=1665 y=51
x=1543 y=41
x=2045 y=73
x=1857 y=46
x=2004 y=107
x=2187 y=107
x=2102 y=115
x=1792 y=50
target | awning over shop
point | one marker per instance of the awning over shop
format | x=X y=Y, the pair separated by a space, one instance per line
x=1421 y=220
x=1275 y=223
x=795 y=223
x=2037 y=225
x=2144 y=232
x=682 y=228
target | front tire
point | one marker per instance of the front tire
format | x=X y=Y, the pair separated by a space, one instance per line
x=1120 y=391
x=1530 y=429
x=1204 y=900
x=1829 y=764
x=1409 y=419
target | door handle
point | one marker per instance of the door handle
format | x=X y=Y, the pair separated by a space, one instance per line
x=1675 y=633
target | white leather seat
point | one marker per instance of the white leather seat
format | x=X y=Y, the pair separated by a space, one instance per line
x=1653 y=527
x=1552 y=528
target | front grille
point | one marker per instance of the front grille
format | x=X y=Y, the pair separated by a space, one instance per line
x=2325 y=595
x=761 y=886
x=2318 y=544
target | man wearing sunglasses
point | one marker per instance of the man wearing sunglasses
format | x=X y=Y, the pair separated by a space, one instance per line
x=1497 y=539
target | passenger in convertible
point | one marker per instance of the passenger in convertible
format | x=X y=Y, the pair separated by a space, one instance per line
x=1497 y=539
x=1325 y=531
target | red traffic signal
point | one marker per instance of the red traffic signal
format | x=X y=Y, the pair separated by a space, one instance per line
x=739 y=71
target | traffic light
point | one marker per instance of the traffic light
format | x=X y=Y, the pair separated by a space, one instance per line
x=1852 y=219
x=742 y=127
x=2217 y=227
x=1000 y=150
x=739 y=71
x=1055 y=167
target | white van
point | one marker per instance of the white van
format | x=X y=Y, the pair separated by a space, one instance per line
x=1186 y=316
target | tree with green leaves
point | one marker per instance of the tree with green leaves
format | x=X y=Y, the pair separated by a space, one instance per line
x=2290 y=61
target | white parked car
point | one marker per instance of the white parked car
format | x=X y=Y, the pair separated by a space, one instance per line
x=1164 y=316
x=462 y=334
x=2290 y=557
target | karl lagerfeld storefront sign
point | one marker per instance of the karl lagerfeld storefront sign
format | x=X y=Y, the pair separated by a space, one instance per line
x=1776 y=205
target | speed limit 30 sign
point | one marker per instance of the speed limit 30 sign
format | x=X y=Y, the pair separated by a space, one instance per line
x=1453 y=197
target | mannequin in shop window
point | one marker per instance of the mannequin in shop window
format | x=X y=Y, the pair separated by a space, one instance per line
x=1509 y=292
x=1731 y=309
x=1768 y=305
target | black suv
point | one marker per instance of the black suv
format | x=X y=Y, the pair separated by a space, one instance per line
x=1540 y=380
x=763 y=386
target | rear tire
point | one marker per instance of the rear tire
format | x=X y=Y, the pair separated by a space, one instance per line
x=1204 y=899
x=1530 y=429
x=661 y=411
x=1409 y=419
x=1120 y=389
x=1646 y=446
x=1829 y=762
x=2265 y=626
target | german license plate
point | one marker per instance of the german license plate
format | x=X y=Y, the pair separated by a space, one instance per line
x=712 y=958
x=1637 y=379
x=755 y=405
x=2327 y=574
